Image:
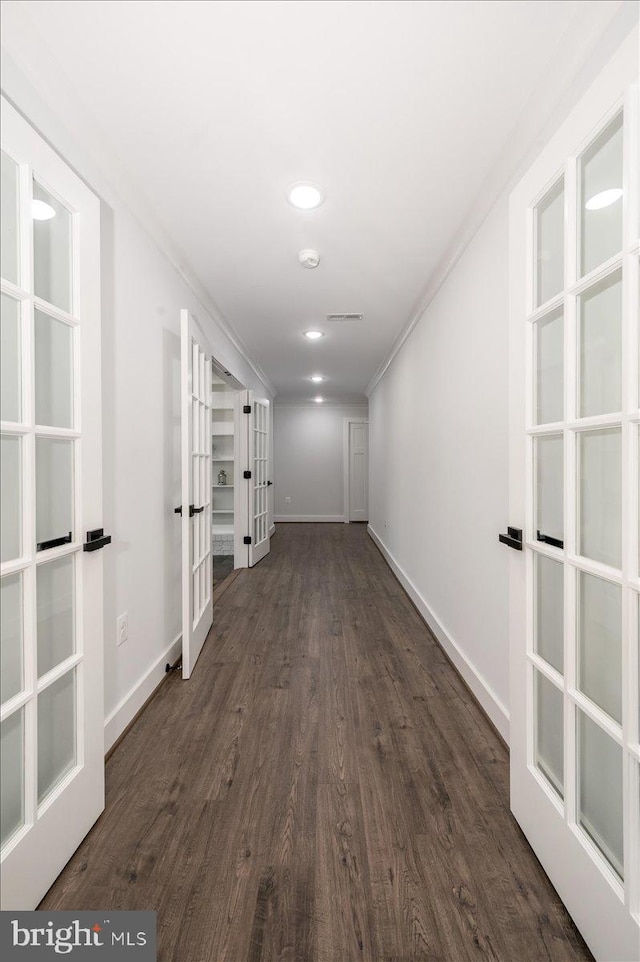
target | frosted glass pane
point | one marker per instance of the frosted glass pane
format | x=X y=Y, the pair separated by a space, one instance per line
x=550 y=611
x=600 y=790
x=601 y=198
x=10 y=470
x=601 y=348
x=56 y=613
x=56 y=732
x=11 y=636
x=550 y=244
x=549 y=748
x=10 y=359
x=549 y=333
x=599 y=522
x=54 y=489
x=52 y=250
x=54 y=372
x=9 y=220
x=600 y=643
x=12 y=770
x=549 y=492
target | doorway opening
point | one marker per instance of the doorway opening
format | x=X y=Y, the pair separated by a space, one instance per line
x=226 y=394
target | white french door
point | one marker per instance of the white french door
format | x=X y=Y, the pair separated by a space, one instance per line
x=575 y=586
x=259 y=483
x=52 y=719
x=197 y=572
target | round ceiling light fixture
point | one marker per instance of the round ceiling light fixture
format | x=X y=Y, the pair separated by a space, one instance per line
x=305 y=195
x=313 y=335
x=316 y=378
x=309 y=258
x=40 y=210
x=318 y=400
x=604 y=199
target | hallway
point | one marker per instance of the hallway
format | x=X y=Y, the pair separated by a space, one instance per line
x=323 y=789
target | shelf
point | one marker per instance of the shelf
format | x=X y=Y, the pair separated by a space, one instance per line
x=221 y=487
x=222 y=529
x=222 y=511
x=222 y=428
x=223 y=459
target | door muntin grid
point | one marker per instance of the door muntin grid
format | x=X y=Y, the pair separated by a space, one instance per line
x=200 y=481
x=591 y=409
x=260 y=469
x=41 y=426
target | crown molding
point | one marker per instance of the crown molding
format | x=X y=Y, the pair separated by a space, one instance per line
x=596 y=30
x=30 y=56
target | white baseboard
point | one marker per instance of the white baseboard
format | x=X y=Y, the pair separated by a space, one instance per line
x=309 y=517
x=272 y=530
x=125 y=711
x=492 y=705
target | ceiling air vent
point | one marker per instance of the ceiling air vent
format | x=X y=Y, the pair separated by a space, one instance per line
x=345 y=317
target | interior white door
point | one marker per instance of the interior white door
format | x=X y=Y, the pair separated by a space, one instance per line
x=259 y=483
x=52 y=719
x=358 y=471
x=197 y=572
x=575 y=585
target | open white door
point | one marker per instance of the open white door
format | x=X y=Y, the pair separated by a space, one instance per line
x=197 y=574
x=259 y=483
x=574 y=578
x=52 y=718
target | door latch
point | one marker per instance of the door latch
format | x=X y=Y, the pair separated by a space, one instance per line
x=513 y=538
x=96 y=539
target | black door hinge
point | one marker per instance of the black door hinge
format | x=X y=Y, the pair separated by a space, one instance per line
x=246 y=474
x=246 y=409
x=247 y=539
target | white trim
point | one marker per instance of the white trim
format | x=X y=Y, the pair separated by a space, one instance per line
x=588 y=35
x=364 y=405
x=118 y=719
x=308 y=517
x=346 y=462
x=42 y=73
x=272 y=530
x=497 y=712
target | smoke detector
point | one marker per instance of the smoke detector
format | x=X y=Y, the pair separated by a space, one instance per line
x=309 y=258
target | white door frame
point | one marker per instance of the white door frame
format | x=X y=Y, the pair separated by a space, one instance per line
x=346 y=422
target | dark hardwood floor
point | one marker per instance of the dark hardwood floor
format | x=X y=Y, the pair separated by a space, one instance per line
x=222 y=568
x=323 y=788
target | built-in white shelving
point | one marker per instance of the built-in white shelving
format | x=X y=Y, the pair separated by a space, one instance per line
x=223 y=440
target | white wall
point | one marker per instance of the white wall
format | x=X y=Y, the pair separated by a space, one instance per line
x=438 y=441
x=142 y=294
x=308 y=460
x=438 y=430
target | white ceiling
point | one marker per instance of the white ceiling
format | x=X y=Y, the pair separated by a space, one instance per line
x=398 y=109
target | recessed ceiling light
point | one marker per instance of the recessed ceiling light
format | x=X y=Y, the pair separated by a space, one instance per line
x=604 y=199
x=41 y=210
x=318 y=399
x=316 y=378
x=305 y=195
x=313 y=335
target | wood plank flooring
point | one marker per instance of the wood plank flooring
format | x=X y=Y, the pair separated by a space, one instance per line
x=323 y=788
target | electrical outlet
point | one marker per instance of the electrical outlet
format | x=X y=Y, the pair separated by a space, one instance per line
x=122 y=629
x=287 y=500
x=386 y=524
